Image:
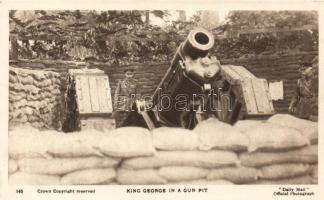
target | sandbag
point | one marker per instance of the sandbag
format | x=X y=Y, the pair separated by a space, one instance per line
x=52 y=143
x=127 y=142
x=314 y=172
x=165 y=138
x=214 y=134
x=139 y=177
x=14 y=113
x=238 y=175
x=204 y=182
x=56 y=92
x=39 y=75
x=57 y=81
x=21 y=178
x=17 y=87
x=59 y=166
x=16 y=97
x=280 y=171
x=28 y=80
x=51 y=88
x=299 y=180
x=175 y=173
x=22 y=73
x=45 y=95
x=20 y=103
x=27 y=111
x=13 y=78
x=27 y=142
x=34 y=97
x=31 y=89
x=40 y=104
x=272 y=137
x=208 y=159
x=308 y=154
x=110 y=183
x=21 y=118
x=44 y=83
x=246 y=125
x=12 y=166
x=77 y=144
x=89 y=176
x=33 y=118
x=307 y=128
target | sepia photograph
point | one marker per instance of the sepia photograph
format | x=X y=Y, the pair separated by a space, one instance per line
x=163 y=97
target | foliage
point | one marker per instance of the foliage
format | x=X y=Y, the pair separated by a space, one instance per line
x=122 y=37
x=116 y=36
x=275 y=32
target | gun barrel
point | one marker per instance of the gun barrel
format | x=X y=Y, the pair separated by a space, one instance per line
x=197 y=44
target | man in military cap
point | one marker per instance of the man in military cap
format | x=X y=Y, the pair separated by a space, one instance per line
x=302 y=104
x=125 y=95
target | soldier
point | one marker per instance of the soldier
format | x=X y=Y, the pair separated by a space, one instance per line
x=302 y=103
x=125 y=95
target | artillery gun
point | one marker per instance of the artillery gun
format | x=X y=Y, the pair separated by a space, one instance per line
x=196 y=86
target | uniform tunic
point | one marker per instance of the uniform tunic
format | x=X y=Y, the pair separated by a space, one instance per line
x=305 y=99
x=125 y=95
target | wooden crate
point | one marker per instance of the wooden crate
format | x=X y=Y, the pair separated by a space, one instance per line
x=254 y=91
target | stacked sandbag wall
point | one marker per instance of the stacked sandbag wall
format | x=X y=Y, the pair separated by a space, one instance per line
x=250 y=152
x=35 y=98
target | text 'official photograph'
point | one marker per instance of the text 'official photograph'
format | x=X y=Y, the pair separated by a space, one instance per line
x=154 y=97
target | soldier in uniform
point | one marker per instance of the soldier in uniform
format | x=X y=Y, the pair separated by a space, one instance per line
x=125 y=95
x=302 y=103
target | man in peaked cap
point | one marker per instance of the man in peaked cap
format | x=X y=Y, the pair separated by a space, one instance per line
x=302 y=103
x=125 y=95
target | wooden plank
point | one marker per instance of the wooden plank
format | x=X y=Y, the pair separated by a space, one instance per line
x=147 y=120
x=230 y=75
x=85 y=94
x=79 y=97
x=267 y=97
x=108 y=90
x=243 y=72
x=260 y=96
x=98 y=124
x=87 y=72
x=94 y=95
x=266 y=86
x=104 y=94
x=232 y=72
x=249 y=97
